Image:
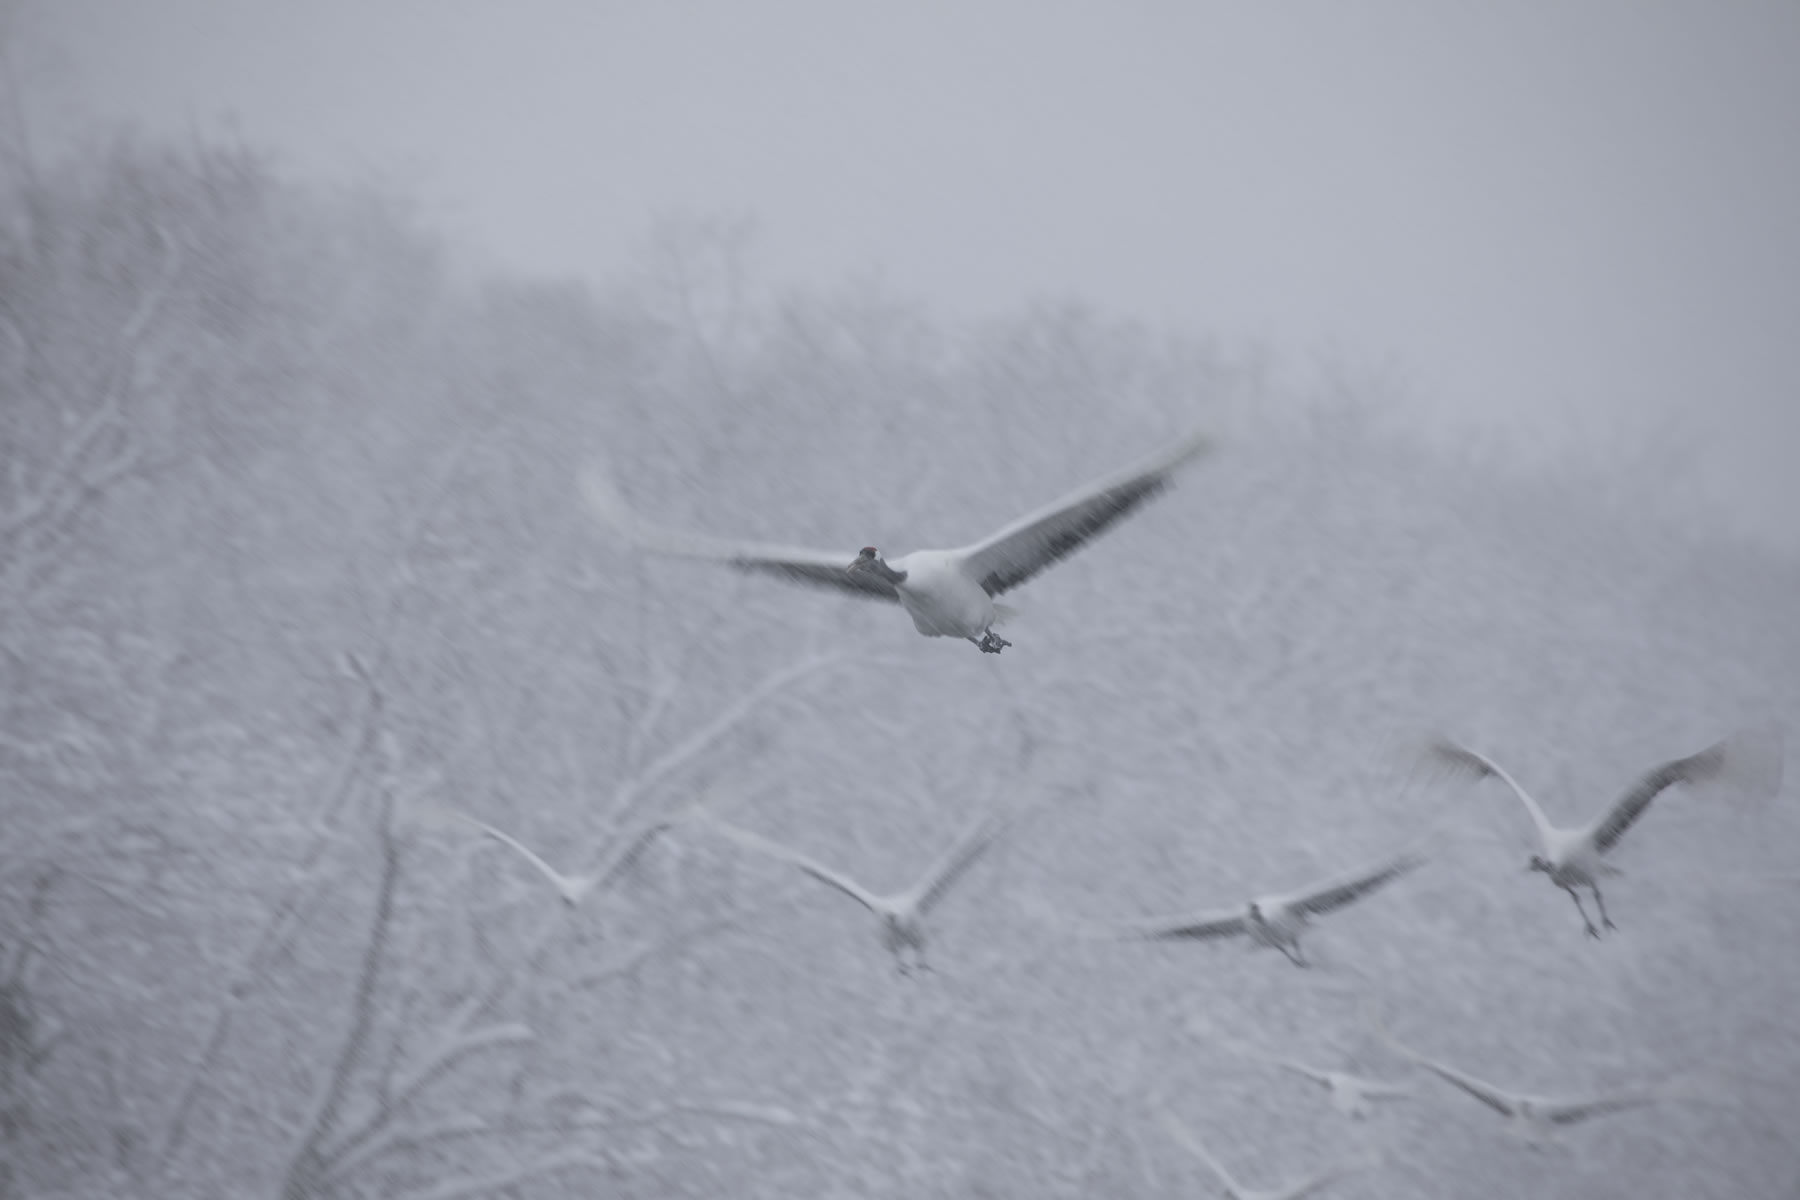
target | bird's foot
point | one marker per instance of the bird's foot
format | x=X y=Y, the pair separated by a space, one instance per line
x=1592 y=932
x=1607 y=921
x=991 y=643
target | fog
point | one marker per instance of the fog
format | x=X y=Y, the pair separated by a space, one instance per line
x=312 y=323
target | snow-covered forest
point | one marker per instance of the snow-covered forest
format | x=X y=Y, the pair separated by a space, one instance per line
x=294 y=565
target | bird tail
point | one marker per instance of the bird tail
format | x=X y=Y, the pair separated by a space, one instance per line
x=1004 y=613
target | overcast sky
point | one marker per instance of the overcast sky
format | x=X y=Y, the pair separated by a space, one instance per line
x=1529 y=209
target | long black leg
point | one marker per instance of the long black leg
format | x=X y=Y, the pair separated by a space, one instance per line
x=1592 y=932
x=1601 y=901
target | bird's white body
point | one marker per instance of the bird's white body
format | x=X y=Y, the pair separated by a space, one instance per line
x=942 y=598
x=948 y=593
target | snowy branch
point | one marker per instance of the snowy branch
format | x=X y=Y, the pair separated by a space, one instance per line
x=67 y=476
x=306 y=1163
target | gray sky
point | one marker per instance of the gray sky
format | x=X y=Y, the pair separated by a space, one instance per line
x=1565 y=219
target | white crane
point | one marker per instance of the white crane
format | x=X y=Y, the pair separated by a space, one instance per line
x=902 y=914
x=1352 y=1095
x=1538 y=1117
x=1574 y=857
x=1277 y=921
x=1236 y=1190
x=948 y=593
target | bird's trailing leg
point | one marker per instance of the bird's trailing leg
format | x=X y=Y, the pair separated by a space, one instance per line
x=1601 y=901
x=1576 y=897
x=991 y=642
x=1294 y=956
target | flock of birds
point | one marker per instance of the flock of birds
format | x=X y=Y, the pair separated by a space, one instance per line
x=951 y=593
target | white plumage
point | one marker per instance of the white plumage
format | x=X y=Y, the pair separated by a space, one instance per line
x=1574 y=857
x=948 y=593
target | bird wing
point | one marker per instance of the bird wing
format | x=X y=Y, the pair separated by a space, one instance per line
x=1741 y=754
x=817 y=870
x=1196 y=926
x=1453 y=754
x=1193 y=1145
x=1501 y=1102
x=628 y=850
x=1571 y=1112
x=1340 y=890
x=950 y=865
x=1033 y=542
x=820 y=568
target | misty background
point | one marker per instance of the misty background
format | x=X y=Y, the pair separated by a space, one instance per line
x=310 y=318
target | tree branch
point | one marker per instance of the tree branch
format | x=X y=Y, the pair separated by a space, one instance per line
x=305 y=1166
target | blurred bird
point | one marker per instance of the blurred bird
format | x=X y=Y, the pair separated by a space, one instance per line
x=1538 y=1117
x=1236 y=1190
x=1352 y=1095
x=902 y=914
x=1572 y=857
x=948 y=593
x=1277 y=921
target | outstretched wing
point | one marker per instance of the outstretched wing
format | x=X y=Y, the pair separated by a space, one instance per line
x=817 y=870
x=1493 y=1097
x=1028 y=545
x=818 y=568
x=1344 y=889
x=1752 y=754
x=1446 y=752
x=1193 y=926
x=1573 y=1112
x=1501 y=1102
x=951 y=865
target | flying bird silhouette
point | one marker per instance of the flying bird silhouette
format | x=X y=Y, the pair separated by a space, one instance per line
x=1276 y=921
x=1538 y=1117
x=1352 y=1095
x=1575 y=857
x=948 y=593
x=902 y=914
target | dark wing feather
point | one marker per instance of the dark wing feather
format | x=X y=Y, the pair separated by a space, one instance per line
x=1703 y=765
x=1194 y=927
x=1335 y=894
x=789 y=565
x=955 y=861
x=795 y=564
x=1033 y=542
x=1574 y=1112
